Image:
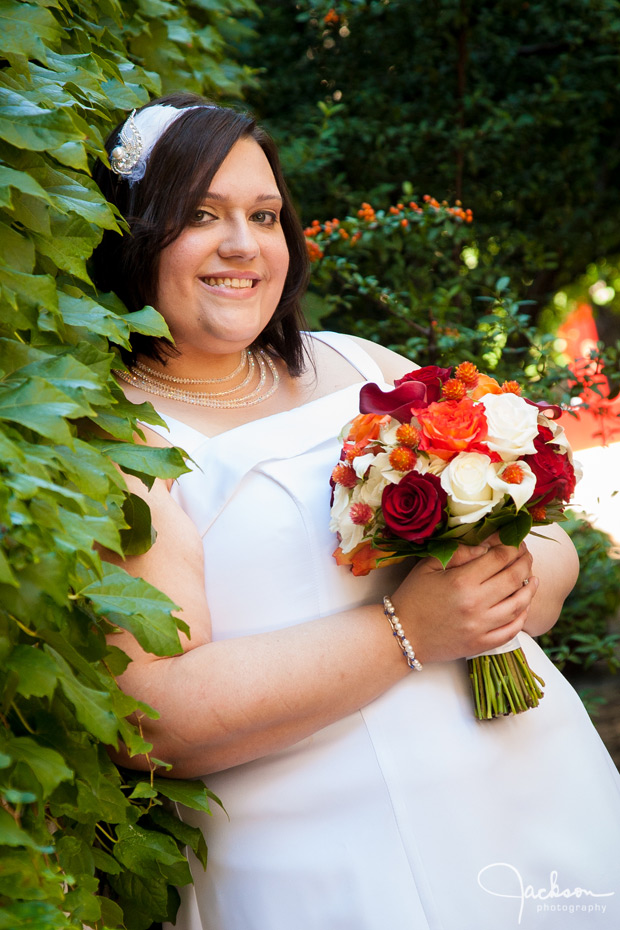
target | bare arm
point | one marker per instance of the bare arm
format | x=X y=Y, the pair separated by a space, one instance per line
x=556 y=565
x=227 y=702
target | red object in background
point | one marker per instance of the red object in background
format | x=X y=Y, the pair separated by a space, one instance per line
x=600 y=424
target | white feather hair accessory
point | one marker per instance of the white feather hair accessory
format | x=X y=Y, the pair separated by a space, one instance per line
x=139 y=134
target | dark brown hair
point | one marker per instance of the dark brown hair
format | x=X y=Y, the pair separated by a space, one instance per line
x=180 y=168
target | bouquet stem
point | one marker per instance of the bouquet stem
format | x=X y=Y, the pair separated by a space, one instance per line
x=503 y=684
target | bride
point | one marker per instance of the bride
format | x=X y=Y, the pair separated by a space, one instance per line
x=360 y=794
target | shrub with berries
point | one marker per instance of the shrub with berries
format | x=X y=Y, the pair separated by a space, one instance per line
x=407 y=276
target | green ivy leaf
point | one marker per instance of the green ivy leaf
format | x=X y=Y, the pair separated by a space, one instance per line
x=28 y=126
x=145 y=461
x=150 y=855
x=192 y=794
x=36 y=670
x=27 y=30
x=41 y=407
x=137 y=606
x=47 y=766
x=12 y=835
x=140 y=535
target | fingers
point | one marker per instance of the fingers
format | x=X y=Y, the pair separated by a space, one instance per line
x=512 y=577
x=465 y=554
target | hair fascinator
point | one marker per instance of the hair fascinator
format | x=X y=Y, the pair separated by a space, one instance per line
x=138 y=135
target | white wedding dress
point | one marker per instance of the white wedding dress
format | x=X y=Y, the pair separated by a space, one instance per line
x=409 y=814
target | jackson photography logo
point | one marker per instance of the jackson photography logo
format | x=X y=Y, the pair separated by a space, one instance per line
x=503 y=880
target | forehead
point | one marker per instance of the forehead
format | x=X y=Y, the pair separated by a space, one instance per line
x=245 y=168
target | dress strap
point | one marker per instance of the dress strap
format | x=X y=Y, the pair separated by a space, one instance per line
x=354 y=354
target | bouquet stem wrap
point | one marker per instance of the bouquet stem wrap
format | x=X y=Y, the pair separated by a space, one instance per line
x=502 y=682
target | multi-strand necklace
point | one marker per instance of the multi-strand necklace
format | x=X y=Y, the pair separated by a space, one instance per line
x=156 y=382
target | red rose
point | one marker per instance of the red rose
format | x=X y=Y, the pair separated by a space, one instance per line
x=555 y=475
x=417 y=389
x=431 y=375
x=413 y=508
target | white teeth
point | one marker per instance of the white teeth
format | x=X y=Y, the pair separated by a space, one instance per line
x=229 y=282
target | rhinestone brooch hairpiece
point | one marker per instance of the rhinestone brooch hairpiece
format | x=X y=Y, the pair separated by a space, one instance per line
x=125 y=156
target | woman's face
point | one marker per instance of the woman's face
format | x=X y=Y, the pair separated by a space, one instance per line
x=220 y=281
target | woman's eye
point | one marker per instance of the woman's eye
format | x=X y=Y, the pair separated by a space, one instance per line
x=202 y=216
x=265 y=217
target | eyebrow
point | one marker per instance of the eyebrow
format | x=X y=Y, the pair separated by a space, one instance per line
x=212 y=195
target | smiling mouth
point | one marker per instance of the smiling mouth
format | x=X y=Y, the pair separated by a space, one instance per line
x=230 y=282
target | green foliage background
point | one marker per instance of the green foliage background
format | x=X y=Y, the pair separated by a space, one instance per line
x=511 y=106
x=80 y=841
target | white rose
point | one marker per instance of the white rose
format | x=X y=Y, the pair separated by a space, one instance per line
x=340 y=522
x=512 y=425
x=520 y=492
x=466 y=482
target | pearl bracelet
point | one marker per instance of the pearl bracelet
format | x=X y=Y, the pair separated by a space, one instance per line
x=399 y=633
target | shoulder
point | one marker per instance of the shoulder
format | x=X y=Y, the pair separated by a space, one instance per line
x=391 y=363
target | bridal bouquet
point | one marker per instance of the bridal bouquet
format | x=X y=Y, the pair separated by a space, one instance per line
x=447 y=457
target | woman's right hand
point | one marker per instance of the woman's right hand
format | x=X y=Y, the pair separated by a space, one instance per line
x=477 y=603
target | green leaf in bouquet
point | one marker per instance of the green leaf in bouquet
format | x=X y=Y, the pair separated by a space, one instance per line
x=514 y=532
x=442 y=549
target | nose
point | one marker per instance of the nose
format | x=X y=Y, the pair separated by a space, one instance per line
x=238 y=240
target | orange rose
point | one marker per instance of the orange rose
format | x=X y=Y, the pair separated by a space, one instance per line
x=365 y=428
x=452 y=426
x=364 y=557
x=485 y=385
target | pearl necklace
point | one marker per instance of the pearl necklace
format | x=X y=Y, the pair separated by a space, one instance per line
x=246 y=356
x=152 y=383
